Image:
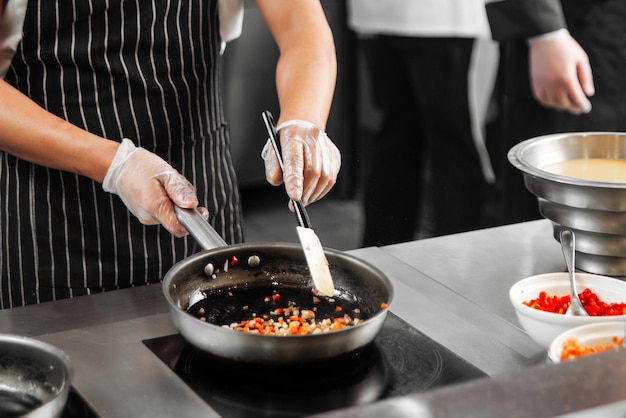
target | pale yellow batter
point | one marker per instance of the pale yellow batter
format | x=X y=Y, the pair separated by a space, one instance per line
x=596 y=169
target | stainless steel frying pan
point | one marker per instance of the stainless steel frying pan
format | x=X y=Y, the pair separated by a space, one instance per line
x=281 y=265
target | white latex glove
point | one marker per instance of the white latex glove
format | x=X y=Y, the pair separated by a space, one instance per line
x=311 y=161
x=561 y=76
x=148 y=185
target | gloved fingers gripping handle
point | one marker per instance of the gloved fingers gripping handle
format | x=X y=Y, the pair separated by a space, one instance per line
x=311 y=161
x=149 y=187
x=273 y=172
x=328 y=165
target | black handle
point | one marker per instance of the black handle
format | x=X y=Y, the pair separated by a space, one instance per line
x=301 y=213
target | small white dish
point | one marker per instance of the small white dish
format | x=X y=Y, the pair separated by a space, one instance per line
x=592 y=335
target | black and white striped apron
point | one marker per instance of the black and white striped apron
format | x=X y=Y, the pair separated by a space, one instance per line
x=147 y=70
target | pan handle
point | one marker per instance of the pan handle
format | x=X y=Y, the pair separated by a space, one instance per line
x=199 y=228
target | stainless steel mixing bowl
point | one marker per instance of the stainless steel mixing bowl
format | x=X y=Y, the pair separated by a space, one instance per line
x=594 y=210
x=35 y=378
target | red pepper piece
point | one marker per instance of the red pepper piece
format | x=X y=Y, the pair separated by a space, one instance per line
x=592 y=303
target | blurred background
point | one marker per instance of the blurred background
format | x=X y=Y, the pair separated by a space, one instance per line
x=249 y=65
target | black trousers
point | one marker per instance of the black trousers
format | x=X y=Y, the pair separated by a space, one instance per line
x=420 y=88
x=600 y=27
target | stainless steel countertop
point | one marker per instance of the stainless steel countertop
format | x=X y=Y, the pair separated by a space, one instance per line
x=453 y=289
x=464 y=304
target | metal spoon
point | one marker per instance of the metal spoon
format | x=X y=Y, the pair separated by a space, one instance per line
x=568 y=245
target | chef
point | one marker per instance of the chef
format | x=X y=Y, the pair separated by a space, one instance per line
x=562 y=70
x=112 y=113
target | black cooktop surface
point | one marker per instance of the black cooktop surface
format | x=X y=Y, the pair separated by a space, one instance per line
x=401 y=360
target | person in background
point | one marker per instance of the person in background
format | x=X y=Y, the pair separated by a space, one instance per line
x=114 y=99
x=418 y=55
x=562 y=69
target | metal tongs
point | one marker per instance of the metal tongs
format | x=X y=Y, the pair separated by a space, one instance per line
x=313 y=251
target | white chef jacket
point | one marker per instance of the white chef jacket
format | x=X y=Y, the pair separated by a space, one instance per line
x=11 y=23
x=441 y=18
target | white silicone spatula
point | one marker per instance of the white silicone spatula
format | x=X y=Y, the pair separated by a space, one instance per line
x=313 y=251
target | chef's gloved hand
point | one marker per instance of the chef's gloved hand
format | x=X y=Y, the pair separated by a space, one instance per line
x=148 y=185
x=560 y=72
x=311 y=161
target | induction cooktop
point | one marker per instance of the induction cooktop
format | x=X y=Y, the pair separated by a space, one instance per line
x=400 y=360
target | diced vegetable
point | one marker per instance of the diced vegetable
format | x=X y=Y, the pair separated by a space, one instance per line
x=293 y=320
x=592 y=303
x=573 y=349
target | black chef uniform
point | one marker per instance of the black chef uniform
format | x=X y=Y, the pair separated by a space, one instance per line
x=599 y=26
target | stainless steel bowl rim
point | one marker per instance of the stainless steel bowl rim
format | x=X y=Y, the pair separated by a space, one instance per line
x=516 y=158
x=44 y=347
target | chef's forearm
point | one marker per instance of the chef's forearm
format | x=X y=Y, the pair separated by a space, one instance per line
x=306 y=91
x=307 y=67
x=31 y=133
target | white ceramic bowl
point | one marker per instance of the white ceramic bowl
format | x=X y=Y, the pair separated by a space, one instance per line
x=543 y=326
x=590 y=335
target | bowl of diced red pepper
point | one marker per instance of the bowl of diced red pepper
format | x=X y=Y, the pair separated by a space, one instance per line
x=587 y=339
x=540 y=303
